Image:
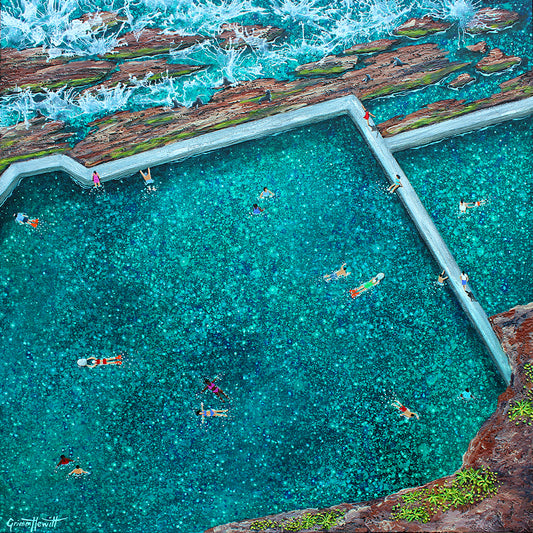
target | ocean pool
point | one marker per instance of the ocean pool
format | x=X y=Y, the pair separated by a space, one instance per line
x=189 y=285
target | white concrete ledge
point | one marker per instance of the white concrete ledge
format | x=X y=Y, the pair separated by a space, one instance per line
x=460 y=125
x=293 y=119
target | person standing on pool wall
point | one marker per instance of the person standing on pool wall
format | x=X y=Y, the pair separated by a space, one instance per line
x=96 y=180
x=464 y=280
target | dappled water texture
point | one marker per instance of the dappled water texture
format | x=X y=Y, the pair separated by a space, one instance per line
x=491 y=242
x=189 y=285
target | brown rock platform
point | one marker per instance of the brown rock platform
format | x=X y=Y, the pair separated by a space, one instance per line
x=497 y=61
x=500 y=445
x=416 y=28
x=511 y=90
x=490 y=19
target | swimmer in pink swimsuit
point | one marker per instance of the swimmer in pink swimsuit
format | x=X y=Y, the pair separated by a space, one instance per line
x=99 y=362
x=212 y=387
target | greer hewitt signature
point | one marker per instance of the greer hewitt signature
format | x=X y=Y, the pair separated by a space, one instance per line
x=34 y=523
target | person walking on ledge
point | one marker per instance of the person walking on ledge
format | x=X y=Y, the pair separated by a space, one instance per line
x=367 y=115
x=464 y=280
x=395 y=184
x=403 y=410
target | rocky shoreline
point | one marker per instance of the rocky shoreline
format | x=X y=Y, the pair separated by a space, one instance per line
x=500 y=445
x=366 y=70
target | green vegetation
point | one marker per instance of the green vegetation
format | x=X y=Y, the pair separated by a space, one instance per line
x=5 y=162
x=470 y=486
x=323 y=520
x=522 y=410
x=490 y=69
x=323 y=71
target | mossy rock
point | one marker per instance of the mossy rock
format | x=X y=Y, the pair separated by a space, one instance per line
x=491 y=69
x=5 y=162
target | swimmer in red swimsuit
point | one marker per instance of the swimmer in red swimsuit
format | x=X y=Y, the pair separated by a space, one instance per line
x=403 y=410
x=64 y=461
x=212 y=387
x=99 y=362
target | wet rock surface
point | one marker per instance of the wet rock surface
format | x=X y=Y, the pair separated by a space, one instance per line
x=40 y=137
x=327 y=65
x=500 y=445
x=497 y=61
x=511 y=90
x=371 y=47
x=491 y=19
x=236 y=36
x=480 y=47
x=461 y=81
x=420 y=27
x=127 y=133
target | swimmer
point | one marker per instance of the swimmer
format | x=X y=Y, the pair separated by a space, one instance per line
x=403 y=410
x=210 y=412
x=442 y=279
x=368 y=285
x=64 y=461
x=463 y=206
x=212 y=387
x=256 y=210
x=77 y=472
x=464 y=279
x=99 y=362
x=21 y=218
x=367 y=116
x=148 y=179
x=396 y=183
x=265 y=193
x=338 y=274
x=96 y=180
x=466 y=395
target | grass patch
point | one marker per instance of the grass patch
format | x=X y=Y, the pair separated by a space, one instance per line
x=323 y=520
x=469 y=487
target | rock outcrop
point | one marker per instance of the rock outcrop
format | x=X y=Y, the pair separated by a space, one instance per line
x=480 y=47
x=500 y=445
x=461 y=80
x=374 y=46
x=327 y=65
x=496 y=61
x=416 y=28
x=491 y=19
x=511 y=90
x=237 y=36
x=126 y=133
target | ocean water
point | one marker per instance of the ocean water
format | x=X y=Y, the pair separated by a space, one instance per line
x=188 y=285
x=314 y=29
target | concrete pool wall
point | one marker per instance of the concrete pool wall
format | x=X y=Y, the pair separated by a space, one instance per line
x=382 y=150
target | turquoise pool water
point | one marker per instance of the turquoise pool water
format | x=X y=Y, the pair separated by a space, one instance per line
x=491 y=242
x=189 y=285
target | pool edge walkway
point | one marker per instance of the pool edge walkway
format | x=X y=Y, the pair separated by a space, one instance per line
x=382 y=149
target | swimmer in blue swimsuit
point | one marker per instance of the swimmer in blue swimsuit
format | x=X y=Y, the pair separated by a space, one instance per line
x=148 y=181
x=442 y=279
x=337 y=274
x=256 y=210
x=210 y=412
x=265 y=193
